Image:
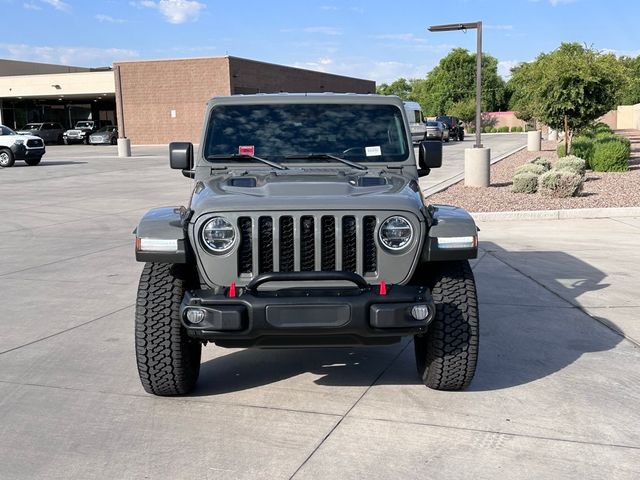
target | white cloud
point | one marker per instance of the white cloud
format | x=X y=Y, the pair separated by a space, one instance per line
x=379 y=70
x=175 y=11
x=621 y=53
x=410 y=41
x=505 y=66
x=84 y=56
x=31 y=6
x=555 y=3
x=58 y=5
x=108 y=19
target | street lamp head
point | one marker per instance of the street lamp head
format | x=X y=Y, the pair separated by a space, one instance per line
x=454 y=26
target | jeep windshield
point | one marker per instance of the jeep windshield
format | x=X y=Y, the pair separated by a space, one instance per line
x=290 y=133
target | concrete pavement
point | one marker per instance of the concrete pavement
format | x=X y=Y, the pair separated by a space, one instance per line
x=555 y=394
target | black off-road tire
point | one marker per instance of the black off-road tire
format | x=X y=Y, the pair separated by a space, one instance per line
x=168 y=359
x=32 y=162
x=6 y=158
x=447 y=354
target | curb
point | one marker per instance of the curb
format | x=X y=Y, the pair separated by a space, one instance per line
x=460 y=176
x=616 y=212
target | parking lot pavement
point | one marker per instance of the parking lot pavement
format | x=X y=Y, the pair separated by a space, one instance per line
x=555 y=394
x=452 y=169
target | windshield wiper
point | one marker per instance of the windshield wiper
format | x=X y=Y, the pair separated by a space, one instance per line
x=327 y=156
x=233 y=156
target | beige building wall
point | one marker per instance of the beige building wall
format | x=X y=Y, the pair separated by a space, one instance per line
x=58 y=85
x=628 y=117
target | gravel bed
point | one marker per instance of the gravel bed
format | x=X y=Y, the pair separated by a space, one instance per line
x=601 y=190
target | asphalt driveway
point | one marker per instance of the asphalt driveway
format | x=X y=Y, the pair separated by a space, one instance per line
x=556 y=393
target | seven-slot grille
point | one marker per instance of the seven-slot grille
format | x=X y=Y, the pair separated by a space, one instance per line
x=307 y=243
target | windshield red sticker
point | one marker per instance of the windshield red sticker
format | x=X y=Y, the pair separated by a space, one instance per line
x=246 y=150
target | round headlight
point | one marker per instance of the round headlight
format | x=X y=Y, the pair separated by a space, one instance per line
x=396 y=233
x=218 y=235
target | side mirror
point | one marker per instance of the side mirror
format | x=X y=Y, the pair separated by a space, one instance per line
x=181 y=155
x=430 y=154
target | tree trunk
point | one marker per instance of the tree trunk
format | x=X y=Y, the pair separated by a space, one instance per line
x=567 y=143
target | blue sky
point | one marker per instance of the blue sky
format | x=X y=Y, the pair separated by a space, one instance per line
x=378 y=40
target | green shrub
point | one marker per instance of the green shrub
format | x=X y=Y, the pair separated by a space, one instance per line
x=493 y=130
x=470 y=130
x=534 y=168
x=486 y=129
x=516 y=129
x=560 y=184
x=526 y=182
x=602 y=128
x=573 y=164
x=503 y=129
x=582 y=147
x=561 y=150
x=543 y=162
x=611 y=155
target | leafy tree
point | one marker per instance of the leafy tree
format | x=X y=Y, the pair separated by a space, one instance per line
x=464 y=109
x=400 y=87
x=630 y=92
x=453 y=82
x=568 y=88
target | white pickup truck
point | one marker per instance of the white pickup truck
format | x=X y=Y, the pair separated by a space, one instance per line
x=19 y=147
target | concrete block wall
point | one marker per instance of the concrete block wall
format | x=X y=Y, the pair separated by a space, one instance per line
x=164 y=101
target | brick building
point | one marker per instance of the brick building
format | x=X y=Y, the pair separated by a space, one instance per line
x=153 y=101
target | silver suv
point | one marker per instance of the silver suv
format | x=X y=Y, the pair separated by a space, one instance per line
x=50 y=132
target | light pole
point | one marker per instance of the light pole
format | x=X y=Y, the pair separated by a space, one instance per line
x=476 y=162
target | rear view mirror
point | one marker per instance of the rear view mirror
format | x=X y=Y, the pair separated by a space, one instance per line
x=181 y=155
x=430 y=154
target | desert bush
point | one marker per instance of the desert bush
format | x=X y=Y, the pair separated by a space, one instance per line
x=560 y=184
x=526 y=182
x=516 y=129
x=543 y=162
x=573 y=164
x=503 y=129
x=534 y=168
x=561 y=150
x=611 y=155
x=582 y=147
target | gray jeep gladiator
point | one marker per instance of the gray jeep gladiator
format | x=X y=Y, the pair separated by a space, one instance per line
x=306 y=228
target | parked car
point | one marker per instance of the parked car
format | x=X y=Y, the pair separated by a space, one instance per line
x=416 y=121
x=50 y=132
x=19 y=147
x=106 y=135
x=81 y=132
x=437 y=130
x=456 y=129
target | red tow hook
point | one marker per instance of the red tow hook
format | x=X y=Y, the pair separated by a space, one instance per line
x=383 y=287
x=232 y=290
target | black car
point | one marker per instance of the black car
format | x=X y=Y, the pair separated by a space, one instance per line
x=456 y=130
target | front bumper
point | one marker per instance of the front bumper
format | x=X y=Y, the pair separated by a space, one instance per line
x=21 y=152
x=313 y=316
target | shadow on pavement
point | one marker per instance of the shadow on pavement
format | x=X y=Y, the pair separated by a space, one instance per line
x=49 y=163
x=518 y=344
